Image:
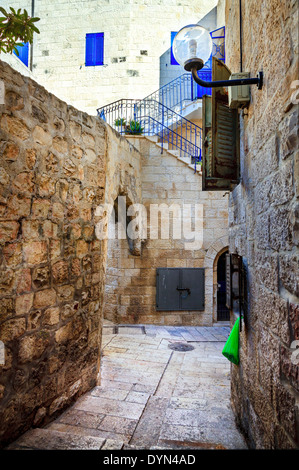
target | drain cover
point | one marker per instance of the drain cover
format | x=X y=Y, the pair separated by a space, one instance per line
x=181 y=347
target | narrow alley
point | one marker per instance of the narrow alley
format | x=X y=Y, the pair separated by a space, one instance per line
x=161 y=388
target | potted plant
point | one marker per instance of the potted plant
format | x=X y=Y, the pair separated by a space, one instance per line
x=134 y=128
x=120 y=122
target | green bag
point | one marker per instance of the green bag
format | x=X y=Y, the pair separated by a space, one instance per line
x=231 y=348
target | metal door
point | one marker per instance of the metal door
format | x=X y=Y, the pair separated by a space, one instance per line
x=180 y=289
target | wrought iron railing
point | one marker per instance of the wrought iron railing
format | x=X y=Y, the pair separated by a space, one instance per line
x=177 y=93
x=182 y=89
x=160 y=113
x=149 y=117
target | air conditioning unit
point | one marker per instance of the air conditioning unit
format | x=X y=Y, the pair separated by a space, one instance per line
x=239 y=96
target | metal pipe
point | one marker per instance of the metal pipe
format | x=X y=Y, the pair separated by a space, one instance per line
x=31 y=45
x=225 y=83
x=241 y=35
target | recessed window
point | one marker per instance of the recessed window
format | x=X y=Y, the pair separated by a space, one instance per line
x=94 y=53
x=172 y=59
x=23 y=53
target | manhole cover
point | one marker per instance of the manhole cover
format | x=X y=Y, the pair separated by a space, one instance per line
x=181 y=347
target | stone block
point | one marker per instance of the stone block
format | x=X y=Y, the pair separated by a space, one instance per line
x=41 y=277
x=35 y=252
x=12 y=329
x=51 y=316
x=12 y=254
x=44 y=298
x=11 y=151
x=60 y=272
x=64 y=333
x=33 y=346
x=24 y=303
x=40 y=208
x=8 y=231
x=30 y=155
x=288 y=273
x=41 y=136
x=65 y=293
x=60 y=144
x=15 y=127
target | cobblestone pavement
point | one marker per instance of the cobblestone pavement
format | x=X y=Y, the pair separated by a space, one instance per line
x=151 y=396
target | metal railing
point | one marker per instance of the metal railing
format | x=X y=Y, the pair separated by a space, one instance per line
x=160 y=113
x=149 y=117
x=183 y=89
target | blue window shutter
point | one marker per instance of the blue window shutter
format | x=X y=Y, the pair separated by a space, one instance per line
x=94 y=53
x=172 y=59
x=23 y=53
x=99 y=49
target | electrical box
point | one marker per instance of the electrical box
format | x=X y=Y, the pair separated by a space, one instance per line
x=238 y=96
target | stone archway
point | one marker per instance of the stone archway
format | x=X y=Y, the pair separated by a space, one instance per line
x=215 y=250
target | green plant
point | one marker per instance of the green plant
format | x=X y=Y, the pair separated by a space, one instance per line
x=134 y=128
x=120 y=122
x=16 y=28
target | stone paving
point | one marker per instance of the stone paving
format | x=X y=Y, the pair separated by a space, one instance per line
x=150 y=397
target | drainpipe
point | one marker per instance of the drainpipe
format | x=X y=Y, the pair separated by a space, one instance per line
x=31 y=45
x=241 y=34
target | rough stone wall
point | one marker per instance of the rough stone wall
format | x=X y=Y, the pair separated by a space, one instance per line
x=136 y=34
x=52 y=177
x=263 y=219
x=131 y=280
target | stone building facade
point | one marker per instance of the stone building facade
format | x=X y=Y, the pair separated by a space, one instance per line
x=136 y=34
x=59 y=165
x=131 y=282
x=52 y=178
x=263 y=222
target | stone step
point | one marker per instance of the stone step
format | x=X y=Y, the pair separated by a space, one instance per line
x=152 y=138
x=175 y=153
x=198 y=167
x=165 y=146
x=47 y=439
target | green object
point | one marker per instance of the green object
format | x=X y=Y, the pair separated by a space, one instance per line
x=231 y=348
x=134 y=128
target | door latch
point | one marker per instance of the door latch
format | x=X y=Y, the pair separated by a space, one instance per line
x=184 y=289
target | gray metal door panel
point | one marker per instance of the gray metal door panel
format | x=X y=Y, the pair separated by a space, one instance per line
x=168 y=297
x=193 y=279
x=180 y=289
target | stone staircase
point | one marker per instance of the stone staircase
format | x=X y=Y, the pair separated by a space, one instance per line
x=175 y=153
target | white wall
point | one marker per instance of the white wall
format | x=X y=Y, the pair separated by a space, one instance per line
x=129 y=26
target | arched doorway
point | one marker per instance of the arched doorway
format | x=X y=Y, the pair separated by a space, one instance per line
x=223 y=313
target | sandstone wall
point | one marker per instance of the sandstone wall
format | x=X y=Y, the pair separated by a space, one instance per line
x=136 y=34
x=130 y=290
x=264 y=222
x=52 y=177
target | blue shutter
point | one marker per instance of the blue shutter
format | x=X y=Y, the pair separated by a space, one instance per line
x=172 y=59
x=94 y=53
x=23 y=53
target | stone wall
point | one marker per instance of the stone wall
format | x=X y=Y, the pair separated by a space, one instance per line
x=52 y=177
x=130 y=290
x=136 y=35
x=263 y=219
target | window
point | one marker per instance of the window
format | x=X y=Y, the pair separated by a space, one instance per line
x=94 y=54
x=23 y=53
x=172 y=59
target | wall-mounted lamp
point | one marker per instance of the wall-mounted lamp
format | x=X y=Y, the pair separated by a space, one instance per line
x=192 y=47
